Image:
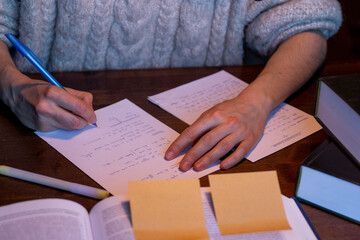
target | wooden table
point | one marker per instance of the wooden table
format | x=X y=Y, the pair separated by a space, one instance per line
x=21 y=148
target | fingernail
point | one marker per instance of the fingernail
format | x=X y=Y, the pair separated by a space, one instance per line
x=93 y=121
x=198 y=167
x=184 y=166
x=169 y=155
x=224 y=165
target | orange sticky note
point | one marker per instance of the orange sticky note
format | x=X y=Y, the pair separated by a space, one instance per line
x=167 y=209
x=248 y=202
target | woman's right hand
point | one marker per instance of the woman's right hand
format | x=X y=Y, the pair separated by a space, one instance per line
x=39 y=105
x=45 y=107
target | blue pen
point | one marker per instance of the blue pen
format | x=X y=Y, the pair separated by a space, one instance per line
x=34 y=60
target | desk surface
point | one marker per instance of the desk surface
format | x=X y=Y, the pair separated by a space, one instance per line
x=21 y=148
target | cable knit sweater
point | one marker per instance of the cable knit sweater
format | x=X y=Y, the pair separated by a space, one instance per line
x=70 y=35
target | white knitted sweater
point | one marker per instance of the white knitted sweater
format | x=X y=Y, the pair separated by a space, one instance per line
x=70 y=35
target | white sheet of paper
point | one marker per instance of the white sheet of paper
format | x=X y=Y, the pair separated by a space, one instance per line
x=129 y=144
x=285 y=125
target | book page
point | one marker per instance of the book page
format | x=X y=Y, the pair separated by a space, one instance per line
x=55 y=219
x=128 y=145
x=285 y=124
x=111 y=220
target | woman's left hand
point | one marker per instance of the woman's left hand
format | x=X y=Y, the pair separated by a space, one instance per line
x=233 y=123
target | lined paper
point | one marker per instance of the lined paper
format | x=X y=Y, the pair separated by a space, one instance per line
x=285 y=124
x=128 y=145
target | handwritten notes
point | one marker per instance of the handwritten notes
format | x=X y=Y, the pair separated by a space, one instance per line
x=128 y=145
x=285 y=125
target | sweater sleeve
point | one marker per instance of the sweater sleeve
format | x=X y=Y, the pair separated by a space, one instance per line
x=9 y=19
x=271 y=24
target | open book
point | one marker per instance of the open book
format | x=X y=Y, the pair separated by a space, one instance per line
x=110 y=219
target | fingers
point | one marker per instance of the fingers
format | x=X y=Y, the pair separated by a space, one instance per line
x=66 y=110
x=203 y=153
x=84 y=96
x=221 y=149
x=216 y=133
x=238 y=155
x=52 y=117
x=80 y=104
x=188 y=137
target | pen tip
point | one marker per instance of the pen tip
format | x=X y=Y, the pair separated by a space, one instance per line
x=93 y=124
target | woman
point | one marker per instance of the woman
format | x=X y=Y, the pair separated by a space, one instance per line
x=71 y=35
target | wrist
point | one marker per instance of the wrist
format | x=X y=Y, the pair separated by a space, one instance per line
x=258 y=96
x=10 y=78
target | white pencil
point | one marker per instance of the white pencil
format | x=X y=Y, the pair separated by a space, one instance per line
x=53 y=182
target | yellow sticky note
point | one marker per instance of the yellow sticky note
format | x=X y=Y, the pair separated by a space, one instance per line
x=167 y=209
x=248 y=202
